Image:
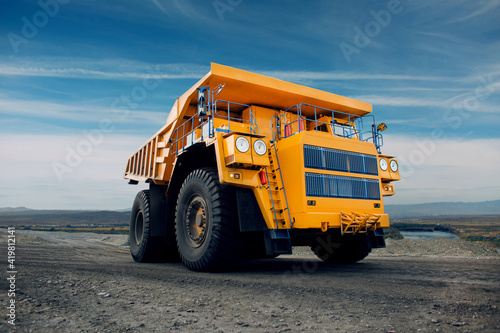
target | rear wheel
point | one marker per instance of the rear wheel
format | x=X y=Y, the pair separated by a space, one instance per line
x=206 y=222
x=143 y=247
x=349 y=249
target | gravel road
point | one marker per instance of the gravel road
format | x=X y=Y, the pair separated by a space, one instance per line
x=89 y=283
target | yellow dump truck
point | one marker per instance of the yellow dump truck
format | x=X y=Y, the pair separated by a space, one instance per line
x=248 y=166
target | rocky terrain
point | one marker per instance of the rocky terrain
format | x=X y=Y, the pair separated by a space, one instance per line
x=81 y=282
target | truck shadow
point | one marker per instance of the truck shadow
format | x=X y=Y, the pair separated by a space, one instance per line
x=301 y=265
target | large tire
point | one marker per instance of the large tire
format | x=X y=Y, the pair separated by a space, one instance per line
x=349 y=250
x=206 y=224
x=143 y=247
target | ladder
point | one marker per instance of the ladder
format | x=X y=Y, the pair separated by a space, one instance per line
x=277 y=192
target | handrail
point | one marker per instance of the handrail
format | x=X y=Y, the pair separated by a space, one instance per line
x=191 y=133
x=352 y=126
x=282 y=184
x=272 y=201
x=181 y=135
x=253 y=124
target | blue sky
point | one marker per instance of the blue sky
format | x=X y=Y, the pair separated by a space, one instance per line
x=99 y=78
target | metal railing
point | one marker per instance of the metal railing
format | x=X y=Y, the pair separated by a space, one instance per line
x=254 y=128
x=183 y=138
x=342 y=124
x=188 y=134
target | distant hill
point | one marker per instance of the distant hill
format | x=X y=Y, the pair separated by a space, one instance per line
x=13 y=209
x=444 y=208
x=63 y=217
x=26 y=216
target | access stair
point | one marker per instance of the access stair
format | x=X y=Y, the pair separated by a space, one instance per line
x=279 y=237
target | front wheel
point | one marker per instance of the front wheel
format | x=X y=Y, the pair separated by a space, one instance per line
x=349 y=249
x=206 y=222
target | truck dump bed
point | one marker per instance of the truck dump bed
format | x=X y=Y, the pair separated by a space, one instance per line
x=154 y=161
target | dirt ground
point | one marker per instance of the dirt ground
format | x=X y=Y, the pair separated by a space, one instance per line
x=89 y=283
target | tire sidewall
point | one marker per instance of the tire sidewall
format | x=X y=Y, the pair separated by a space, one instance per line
x=194 y=186
x=139 y=206
x=351 y=249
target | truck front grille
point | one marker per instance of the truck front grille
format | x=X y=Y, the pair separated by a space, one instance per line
x=339 y=160
x=329 y=186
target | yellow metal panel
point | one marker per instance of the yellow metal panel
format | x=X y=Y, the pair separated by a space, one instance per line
x=388 y=175
x=251 y=88
x=261 y=160
x=233 y=155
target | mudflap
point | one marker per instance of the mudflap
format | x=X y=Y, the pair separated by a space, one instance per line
x=250 y=218
x=278 y=242
x=376 y=237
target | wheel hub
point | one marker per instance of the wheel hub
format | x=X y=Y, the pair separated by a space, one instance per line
x=196 y=221
x=139 y=228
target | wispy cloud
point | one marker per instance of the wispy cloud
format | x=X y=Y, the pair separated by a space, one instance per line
x=176 y=7
x=300 y=75
x=387 y=100
x=425 y=163
x=480 y=8
x=14 y=108
x=457 y=101
x=29 y=159
x=126 y=69
x=106 y=69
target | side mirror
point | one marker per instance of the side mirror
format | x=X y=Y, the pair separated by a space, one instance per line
x=202 y=101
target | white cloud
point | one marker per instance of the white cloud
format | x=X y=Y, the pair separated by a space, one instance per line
x=332 y=76
x=105 y=69
x=126 y=69
x=467 y=100
x=121 y=69
x=16 y=108
x=445 y=170
x=186 y=8
x=95 y=183
x=401 y=101
x=481 y=7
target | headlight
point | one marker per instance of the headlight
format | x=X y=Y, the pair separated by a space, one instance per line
x=260 y=147
x=394 y=166
x=383 y=164
x=242 y=144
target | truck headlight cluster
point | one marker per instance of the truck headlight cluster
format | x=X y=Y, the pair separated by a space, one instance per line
x=383 y=164
x=242 y=144
x=260 y=147
x=394 y=166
